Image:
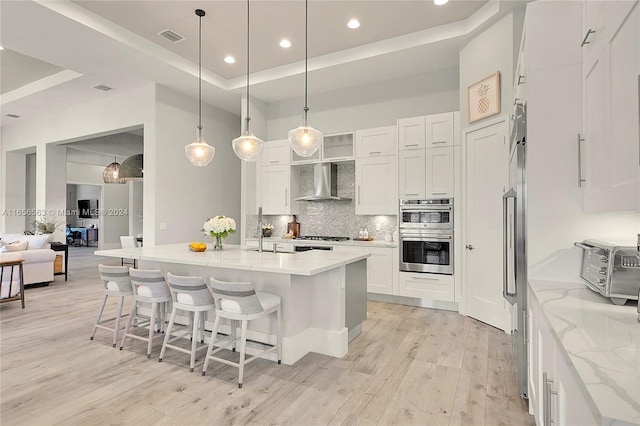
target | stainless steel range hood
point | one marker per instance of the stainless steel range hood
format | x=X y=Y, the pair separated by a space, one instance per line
x=325 y=183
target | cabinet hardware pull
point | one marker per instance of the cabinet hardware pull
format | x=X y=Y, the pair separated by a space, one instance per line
x=437 y=142
x=411 y=144
x=525 y=331
x=374 y=152
x=520 y=79
x=589 y=32
x=425 y=278
x=358 y=194
x=286 y=202
x=580 y=179
x=439 y=193
x=273 y=161
x=406 y=193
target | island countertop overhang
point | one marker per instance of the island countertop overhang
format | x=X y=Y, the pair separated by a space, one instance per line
x=241 y=258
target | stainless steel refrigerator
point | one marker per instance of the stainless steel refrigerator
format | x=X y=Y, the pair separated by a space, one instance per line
x=515 y=253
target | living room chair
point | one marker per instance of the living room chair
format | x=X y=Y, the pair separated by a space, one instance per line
x=11 y=281
x=116 y=282
x=189 y=294
x=239 y=302
x=149 y=286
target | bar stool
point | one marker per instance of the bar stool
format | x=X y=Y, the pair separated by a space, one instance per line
x=188 y=294
x=238 y=301
x=148 y=286
x=116 y=283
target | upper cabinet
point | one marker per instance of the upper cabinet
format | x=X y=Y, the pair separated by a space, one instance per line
x=411 y=133
x=335 y=147
x=376 y=171
x=276 y=153
x=610 y=160
x=439 y=130
x=277 y=182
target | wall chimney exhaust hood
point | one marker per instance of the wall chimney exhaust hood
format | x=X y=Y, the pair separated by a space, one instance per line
x=325 y=183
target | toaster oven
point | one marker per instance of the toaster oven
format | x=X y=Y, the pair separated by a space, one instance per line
x=613 y=270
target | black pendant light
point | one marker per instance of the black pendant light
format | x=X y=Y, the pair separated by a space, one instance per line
x=199 y=153
x=247 y=146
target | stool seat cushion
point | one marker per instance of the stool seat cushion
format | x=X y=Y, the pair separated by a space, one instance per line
x=267 y=300
x=145 y=291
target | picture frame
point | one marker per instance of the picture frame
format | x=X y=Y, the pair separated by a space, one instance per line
x=483 y=98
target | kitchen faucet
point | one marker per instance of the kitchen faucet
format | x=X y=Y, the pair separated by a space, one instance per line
x=259 y=229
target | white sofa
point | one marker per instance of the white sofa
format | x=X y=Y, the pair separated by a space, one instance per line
x=38 y=257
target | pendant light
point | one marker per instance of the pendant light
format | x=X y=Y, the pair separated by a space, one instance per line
x=111 y=173
x=199 y=153
x=305 y=140
x=247 y=146
x=132 y=168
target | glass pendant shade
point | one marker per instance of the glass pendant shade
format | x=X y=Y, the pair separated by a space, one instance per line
x=132 y=168
x=248 y=146
x=111 y=173
x=199 y=153
x=305 y=140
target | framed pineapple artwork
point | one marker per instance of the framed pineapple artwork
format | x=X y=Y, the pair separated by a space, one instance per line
x=483 y=98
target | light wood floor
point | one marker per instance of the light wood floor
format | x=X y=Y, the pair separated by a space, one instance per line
x=409 y=366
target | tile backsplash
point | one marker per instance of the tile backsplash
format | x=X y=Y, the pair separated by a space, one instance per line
x=328 y=217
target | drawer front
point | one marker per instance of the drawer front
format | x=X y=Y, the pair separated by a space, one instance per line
x=427 y=286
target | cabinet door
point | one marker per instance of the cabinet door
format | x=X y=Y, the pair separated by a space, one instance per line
x=275 y=190
x=377 y=185
x=411 y=165
x=376 y=142
x=411 y=133
x=379 y=270
x=439 y=172
x=338 y=147
x=426 y=286
x=439 y=130
x=276 y=153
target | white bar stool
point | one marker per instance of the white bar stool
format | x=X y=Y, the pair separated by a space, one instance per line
x=116 y=283
x=238 y=301
x=189 y=294
x=149 y=286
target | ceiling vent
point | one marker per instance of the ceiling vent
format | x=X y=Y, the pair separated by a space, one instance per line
x=102 y=87
x=173 y=37
x=12 y=115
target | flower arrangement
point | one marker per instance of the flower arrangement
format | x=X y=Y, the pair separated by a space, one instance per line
x=45 y=226
x=219 y=227
x=267 y=226
x=267 y=229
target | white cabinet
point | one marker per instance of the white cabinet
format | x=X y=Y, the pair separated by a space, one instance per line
x=412 y=173
x=268 y=245
x=411 y=133
x=376 y=185
x=376 y=171
x=611 y=159
x=554 y=394
x=440 y=129
x=380 y=267
x=439 y=172
x=335 y=147
x=277 y=183
x=275 y=153
x=378 y=141
x=426 y=286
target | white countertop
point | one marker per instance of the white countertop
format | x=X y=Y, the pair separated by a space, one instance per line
x=374 y=243
x=238 y=257
x=599 y=340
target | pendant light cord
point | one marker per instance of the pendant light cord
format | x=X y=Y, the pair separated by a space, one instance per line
x=200 y=14
x=306 y=47
x=247 y=118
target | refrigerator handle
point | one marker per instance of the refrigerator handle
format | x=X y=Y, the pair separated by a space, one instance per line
x=510 y=297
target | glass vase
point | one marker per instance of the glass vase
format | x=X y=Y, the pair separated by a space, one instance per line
x=217 y=243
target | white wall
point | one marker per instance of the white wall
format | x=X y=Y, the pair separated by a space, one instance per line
x=368 y=106
x=115 y=198
x=136 y=209
x=30 y=187
x=15 y=190
x=186 y=196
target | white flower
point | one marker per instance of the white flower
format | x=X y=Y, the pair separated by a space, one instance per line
x=219 y=226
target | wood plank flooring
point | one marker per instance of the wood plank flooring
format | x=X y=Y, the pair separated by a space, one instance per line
x=410 y=366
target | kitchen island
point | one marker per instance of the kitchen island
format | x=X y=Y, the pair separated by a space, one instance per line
x=324 y=294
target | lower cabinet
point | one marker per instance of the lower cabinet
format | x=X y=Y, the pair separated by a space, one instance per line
x=426 y=286
x=555 y=396
x=380 y=267
x=377 y=185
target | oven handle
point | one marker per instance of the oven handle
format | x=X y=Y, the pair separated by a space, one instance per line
x=510 y=297
x=423 y=238
x=426 y=208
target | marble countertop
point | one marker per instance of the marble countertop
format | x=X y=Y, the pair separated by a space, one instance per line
x=239 y=257
x=374 y=243
x=599 y=340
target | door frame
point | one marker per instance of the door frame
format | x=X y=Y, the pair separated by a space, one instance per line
x=462 y=271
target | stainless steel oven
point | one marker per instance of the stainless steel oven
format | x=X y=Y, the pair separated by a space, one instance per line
x=426 y=236
x=426 y=251
x=427 y=214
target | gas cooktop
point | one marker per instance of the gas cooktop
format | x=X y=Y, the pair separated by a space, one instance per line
x=321 y=238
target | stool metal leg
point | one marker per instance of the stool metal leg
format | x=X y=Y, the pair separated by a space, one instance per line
x=152 y=327
x=279 y=333
x=129 y=321
x=194 y=339
x=167 y=333
x=243 y=350
x=95 y=327
x=214 y=334
x=117 y=327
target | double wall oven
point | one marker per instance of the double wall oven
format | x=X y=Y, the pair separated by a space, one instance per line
x=426 y=236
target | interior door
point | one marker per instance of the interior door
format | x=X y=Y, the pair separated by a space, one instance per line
x=487 y=164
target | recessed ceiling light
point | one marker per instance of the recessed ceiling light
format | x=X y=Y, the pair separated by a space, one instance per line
x=1 y=48
x=285 y=43
x=230 y=60
x=440 y=2
x=353 y=24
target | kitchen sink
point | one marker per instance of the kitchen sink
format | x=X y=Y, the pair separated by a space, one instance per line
x=271 y=251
